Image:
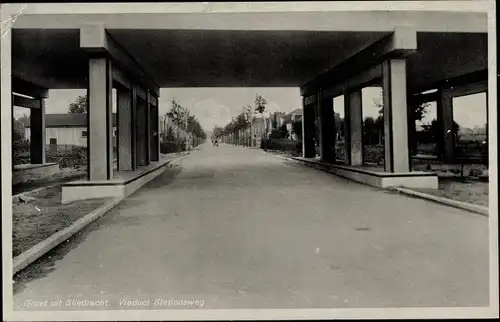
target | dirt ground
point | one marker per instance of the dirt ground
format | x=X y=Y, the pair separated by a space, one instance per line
x=42 y=214
x=465 y=190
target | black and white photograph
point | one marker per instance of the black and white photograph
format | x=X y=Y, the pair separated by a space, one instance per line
x=249 y=160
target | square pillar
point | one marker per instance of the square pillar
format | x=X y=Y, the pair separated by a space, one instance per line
x=141 y=134
x=37 y=140
x=158 y=138
x=395 y=116
x=412 y=127
x=354 y=127
x=308 y=148
x=100 y=144
x=326 y=128
x=133 y=134
x=446 y=142
x=148 y=128
x=125 y=129
x=155 y=129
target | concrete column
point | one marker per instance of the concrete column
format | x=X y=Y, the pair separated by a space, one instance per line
x=326 y=128
x=100 y=144
x=445 y=121
x=308 y=130
x=412 y=128
x=148 y=128
x=395 y=116
x=354 y=128
x=158 y=131
x=141 y=132
x=133 y=106
x=37 y=139
x=347 y=129
x=124 y=129
x=155 y=139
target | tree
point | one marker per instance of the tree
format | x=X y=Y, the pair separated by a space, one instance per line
x=170 y=136
x=418 y=112
x=217 y=131
x=260 y=104
x=79 y=105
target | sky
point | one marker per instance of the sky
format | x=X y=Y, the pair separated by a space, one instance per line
x=216 y=106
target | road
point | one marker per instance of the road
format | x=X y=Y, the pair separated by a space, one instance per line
x=231 y=227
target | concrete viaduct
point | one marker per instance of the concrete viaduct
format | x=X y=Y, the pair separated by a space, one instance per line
x=138 y=49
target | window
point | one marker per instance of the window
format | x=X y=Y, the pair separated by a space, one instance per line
x=53 y=141
x=84 y=134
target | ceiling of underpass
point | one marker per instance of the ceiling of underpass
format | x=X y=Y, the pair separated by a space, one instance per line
x=202 y=58
x=233 y=58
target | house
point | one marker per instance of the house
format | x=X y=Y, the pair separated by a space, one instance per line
x=67 y=129
x=290 y=119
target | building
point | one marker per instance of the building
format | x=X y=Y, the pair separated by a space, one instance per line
x=67 y=130
x=290 y=119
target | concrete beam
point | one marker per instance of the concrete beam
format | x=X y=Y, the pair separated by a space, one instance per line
x=463 y=80
x=162 y=16
x=29 y=89
x=141 y=92
x=310 y=99
x=121 y=78
x=399 y=44
x=26 y=102
x=153 y=100
x=366 y=78
x=95 y=40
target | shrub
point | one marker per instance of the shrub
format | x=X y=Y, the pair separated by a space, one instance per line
x=474 y=172
x=172 y=147
x=291 y=146
x=373 y=153
x=77 y=157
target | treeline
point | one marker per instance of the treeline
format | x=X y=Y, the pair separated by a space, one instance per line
x=182 y=130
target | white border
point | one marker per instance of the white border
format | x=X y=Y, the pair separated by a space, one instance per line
x=390 y=313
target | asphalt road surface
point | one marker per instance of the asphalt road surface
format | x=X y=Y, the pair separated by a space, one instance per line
x=232 y=227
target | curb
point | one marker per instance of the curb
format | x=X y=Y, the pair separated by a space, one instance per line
x=29 y=256
x=482 y=210
x=43 y=247
x=478 y=209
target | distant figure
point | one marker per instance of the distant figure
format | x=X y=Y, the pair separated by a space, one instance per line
x=216 y=143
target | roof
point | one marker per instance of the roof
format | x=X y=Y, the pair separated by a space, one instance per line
x=296 y=112
x=69 y=120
